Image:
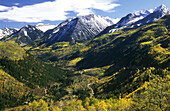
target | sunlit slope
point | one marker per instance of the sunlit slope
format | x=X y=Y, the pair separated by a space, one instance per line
x=146 y=46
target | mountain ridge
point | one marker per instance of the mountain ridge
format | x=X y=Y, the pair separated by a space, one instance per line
x=79 y=28
x=87 y=27
x=26 y=35
x=137 y=19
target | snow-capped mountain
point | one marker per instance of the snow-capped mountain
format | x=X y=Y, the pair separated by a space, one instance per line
x=44 y=27
x=162 y=7
x=158 y=13
x=82 y=28
x=138 y=18
x=79 y=28
x=130 y=19
x=26 y=35
x=6 y=32
x=133 y=17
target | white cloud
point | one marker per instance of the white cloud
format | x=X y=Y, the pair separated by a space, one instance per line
x=56 y=10
x=16 y=3
x=4 y=8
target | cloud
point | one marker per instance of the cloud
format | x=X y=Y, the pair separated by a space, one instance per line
x=4 y=8
x=16 y=3
x=56 y=10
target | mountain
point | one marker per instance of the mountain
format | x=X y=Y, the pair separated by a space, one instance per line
x=26 y=35
x=132 y=18
x=124 y=48
x=158 y=13
x=80 y=28
x=133 y=56
x=138 y=18
x=6 y=31
x=44 y=27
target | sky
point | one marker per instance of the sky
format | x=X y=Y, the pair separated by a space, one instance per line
x=18 y=13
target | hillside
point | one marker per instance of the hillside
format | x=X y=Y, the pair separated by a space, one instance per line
x=11 y=50
x=24 y=75
x=134 y=55
x=115 y=48
x=146 y=46
x=12 y=91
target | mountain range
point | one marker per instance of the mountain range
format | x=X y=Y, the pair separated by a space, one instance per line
x=26 y=35
x=79 y=28
x=83 y=28
x=138 y=18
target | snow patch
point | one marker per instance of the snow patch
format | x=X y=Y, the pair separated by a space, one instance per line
x=135 y=20
x=25 y=33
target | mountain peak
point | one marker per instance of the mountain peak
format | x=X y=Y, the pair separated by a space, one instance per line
x=27 y=26
x=26 y=35
x=6 y=28
x=106 y=20
x=6 y=31
x=81 y=28
x=141 y=12
x=89 y=15
x=161 y=7
x=133 y=17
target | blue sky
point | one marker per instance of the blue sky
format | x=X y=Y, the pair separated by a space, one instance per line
x=17 y=13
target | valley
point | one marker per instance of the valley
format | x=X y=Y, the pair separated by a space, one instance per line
x=89 y=63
